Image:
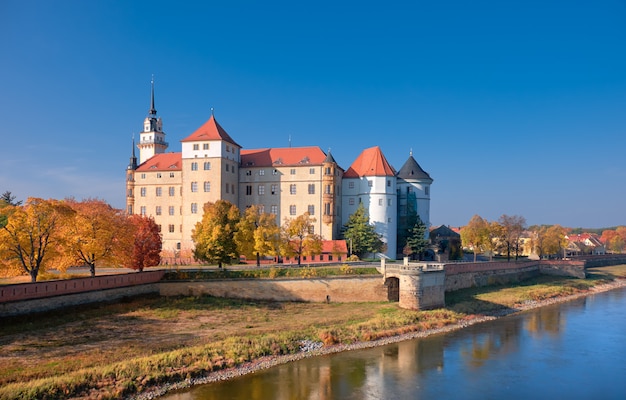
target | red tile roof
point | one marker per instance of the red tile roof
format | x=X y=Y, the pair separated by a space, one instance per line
x=371 y=162
x=210 y=130
x=162 y=162
x=282 y=157
x=330 y=246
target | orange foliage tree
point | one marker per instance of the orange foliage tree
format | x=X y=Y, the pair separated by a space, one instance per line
x=31 y=240
x=146 y=249
x=98 y=234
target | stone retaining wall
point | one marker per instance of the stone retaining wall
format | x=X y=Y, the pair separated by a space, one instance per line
x=339 y=289
x=23 y=307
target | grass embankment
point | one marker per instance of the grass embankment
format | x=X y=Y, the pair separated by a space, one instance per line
x=269 y=273
x=110 y=351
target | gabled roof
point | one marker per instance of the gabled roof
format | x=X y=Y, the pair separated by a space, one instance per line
x=282 y=157
x=330 y=246
x=162 y=162
x=371 y=162
x=412 y=170
x=210 y=130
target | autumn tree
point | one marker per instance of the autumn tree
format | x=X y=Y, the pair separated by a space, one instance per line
x=511 y=232
x=494 y=233
x=32 y=238
x=97 y=235
x=298 y=234
x=147 y=243
x=475 y=235
x=548 y=240
x=614 y=239
x=364 y=237
x=213 y=236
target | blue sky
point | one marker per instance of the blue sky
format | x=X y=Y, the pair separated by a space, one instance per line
x=513 y=107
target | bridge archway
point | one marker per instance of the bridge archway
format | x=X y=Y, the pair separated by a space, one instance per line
x=393 y=289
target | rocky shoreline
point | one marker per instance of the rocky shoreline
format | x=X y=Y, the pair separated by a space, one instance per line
x=313 y=349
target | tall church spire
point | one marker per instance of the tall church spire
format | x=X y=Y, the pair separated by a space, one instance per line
x=133 y=159
x=152 y=111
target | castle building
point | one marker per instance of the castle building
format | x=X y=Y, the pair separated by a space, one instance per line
x=172 y=187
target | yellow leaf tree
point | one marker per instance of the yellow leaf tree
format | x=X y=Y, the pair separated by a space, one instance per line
x=32 y=239
x=257 y=234
x=298 y=234
x=214 y=235
x=475 y=235
x=97 y=235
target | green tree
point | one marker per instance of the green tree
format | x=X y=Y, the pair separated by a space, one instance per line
x=364 y=237
x=7 y=200
x=32 y=238
x=213 y=236
x=416 y=239
x=299 y=237
x=475 y=235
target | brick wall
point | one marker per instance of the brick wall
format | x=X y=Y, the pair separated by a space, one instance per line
x=27 y=291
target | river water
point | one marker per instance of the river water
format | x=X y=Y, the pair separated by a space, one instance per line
x=574 y=350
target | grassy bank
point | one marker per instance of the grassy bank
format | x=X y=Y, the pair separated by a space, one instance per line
x=109 y=351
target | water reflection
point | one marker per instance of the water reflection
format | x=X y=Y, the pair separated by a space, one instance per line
x=510 y=357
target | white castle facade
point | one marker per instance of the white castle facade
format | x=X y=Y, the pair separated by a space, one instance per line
x=172 y=187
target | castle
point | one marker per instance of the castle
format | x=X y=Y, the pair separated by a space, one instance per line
x=172 y=187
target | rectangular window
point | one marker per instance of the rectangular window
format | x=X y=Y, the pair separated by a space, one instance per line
x=194 y=208
x=326 y=208
x=159 y=227
x=380 y=202
x=389 y=202
x=370 y=183
x=327 y=171
x=226 y=188
x=328 y=191
x=205 y=146
x=274 y=172
x=261 y=208
x=143 y=210
x=261 y=190
x=232 y=188
x=351 y=185
x=158 y=210
x=226 y=166
x=427 y=190
x=158 y=174
x=207 y=165
x=311 y=209
x=171 y=174
x=312 y=171
x=194 y=186
x=158 y=191
x=388 y=183
x=196 y=146
x=330 y=257
x=351 y=201
x=292 y=210
x=311 y=188
x=143 y=192
x=274 y=189
x=143 y=176
x=171 y=210
x=170 y=228
x=274 y=210
x=261 y=172
x=293 y=171
x=172 y=191
x=248 y=173
x=194 y=166
x=207 y=186
x=248 y=190
x=130 y=209
x=292 y=189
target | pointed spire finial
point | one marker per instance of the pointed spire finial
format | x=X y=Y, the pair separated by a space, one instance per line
x=212 y=112
x=152 y=111
x=411 y=152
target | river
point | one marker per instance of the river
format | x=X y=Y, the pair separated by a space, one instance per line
x=574 y=350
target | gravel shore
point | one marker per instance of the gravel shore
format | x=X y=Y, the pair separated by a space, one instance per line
x=312 y=349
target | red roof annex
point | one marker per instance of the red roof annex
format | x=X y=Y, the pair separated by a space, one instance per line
x=162 y=162
x=210 y=130
x=371 y=162
x=282 y=156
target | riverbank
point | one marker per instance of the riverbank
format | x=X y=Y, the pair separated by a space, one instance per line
x=148 y=345
x=314 y=349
